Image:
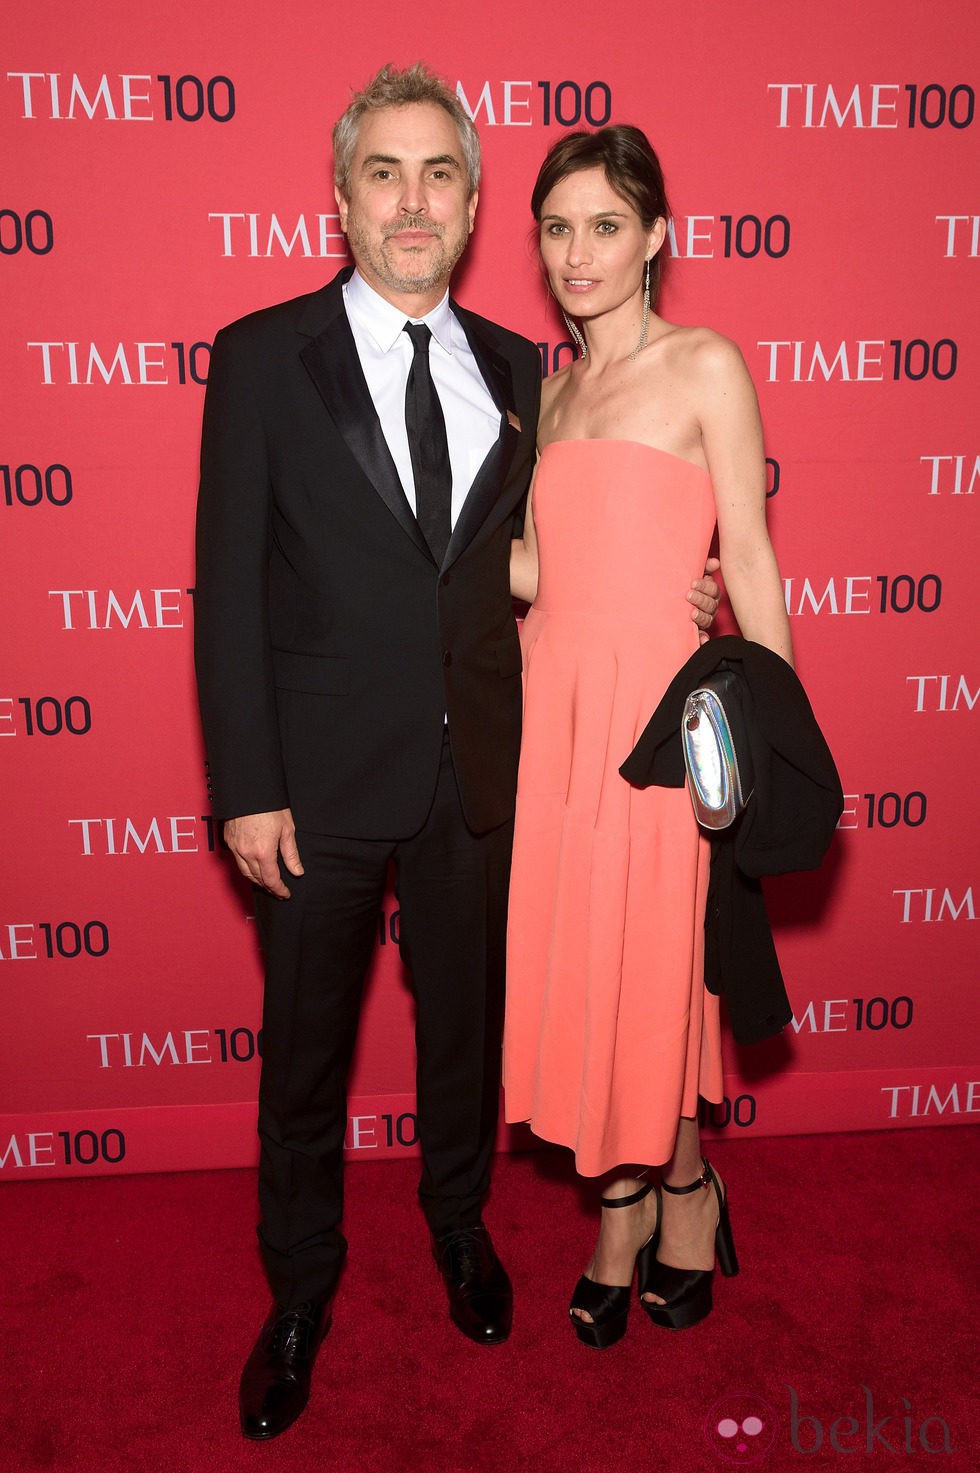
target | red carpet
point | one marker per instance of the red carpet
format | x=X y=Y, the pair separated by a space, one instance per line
x=130 y=1304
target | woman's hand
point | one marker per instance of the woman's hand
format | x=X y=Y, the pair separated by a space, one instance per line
x=704 y=594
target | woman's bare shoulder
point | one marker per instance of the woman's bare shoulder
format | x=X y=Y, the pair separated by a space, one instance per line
x=553 y=390
x=702 y=345
x=555 y=384
x=705 y=359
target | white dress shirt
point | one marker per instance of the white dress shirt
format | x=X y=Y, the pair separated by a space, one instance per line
x=385 y=351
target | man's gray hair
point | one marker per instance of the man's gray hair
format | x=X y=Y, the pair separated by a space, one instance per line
x=394 y=88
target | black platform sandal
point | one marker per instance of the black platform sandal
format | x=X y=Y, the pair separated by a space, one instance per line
x=686 y=1292
x=608 y=1304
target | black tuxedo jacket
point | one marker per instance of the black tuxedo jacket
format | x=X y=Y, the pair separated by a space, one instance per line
x=329 y=646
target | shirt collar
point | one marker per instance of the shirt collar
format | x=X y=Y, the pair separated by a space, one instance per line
x=385 y=322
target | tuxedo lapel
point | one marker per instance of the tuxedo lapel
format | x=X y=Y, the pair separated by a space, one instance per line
x=493 y=365
x=490 y=477
x=330 y=358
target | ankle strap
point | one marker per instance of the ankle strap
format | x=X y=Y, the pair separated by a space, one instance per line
x=644 y=1191
x=704 y=1180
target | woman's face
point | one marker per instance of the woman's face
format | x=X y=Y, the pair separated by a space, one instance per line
x=593 y=244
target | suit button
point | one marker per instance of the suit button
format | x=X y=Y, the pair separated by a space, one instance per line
x=444 y=580
x=447 y=657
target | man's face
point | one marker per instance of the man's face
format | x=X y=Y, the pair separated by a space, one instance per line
x=410 y=212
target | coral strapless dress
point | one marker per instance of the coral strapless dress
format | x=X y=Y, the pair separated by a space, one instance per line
x=610 y=1035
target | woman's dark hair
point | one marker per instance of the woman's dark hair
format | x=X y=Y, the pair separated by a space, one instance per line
x=631 y=168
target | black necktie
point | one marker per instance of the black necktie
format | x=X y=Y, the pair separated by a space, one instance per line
x=429 y=447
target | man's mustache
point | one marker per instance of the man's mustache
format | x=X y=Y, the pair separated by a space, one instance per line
x=415 y=222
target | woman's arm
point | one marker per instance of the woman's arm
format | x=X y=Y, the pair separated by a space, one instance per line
x=524 y=556
x=731 y=432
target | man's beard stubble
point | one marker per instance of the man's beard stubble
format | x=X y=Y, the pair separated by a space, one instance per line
x=378 y=258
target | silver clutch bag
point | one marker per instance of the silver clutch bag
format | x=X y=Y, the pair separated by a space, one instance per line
x=714 y=735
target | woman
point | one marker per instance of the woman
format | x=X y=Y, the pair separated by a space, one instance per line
x=646 y=441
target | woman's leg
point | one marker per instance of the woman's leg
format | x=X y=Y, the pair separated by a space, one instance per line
x=622 y=1233
x=687 y=1237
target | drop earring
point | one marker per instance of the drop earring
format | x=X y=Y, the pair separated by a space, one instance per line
x=646 y=312
x=576 y=333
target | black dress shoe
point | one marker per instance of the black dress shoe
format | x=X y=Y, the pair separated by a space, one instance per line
x=481 y=1300
x=275 y=1384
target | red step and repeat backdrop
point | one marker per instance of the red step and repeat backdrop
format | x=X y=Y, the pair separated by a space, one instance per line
x=168 y=170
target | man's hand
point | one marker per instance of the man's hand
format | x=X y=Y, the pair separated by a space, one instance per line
x=704 y=594
x=257 y=840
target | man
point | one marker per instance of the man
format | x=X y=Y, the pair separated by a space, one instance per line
x=360 y=684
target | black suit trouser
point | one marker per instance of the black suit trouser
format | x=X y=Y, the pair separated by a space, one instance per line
x=452 y=891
